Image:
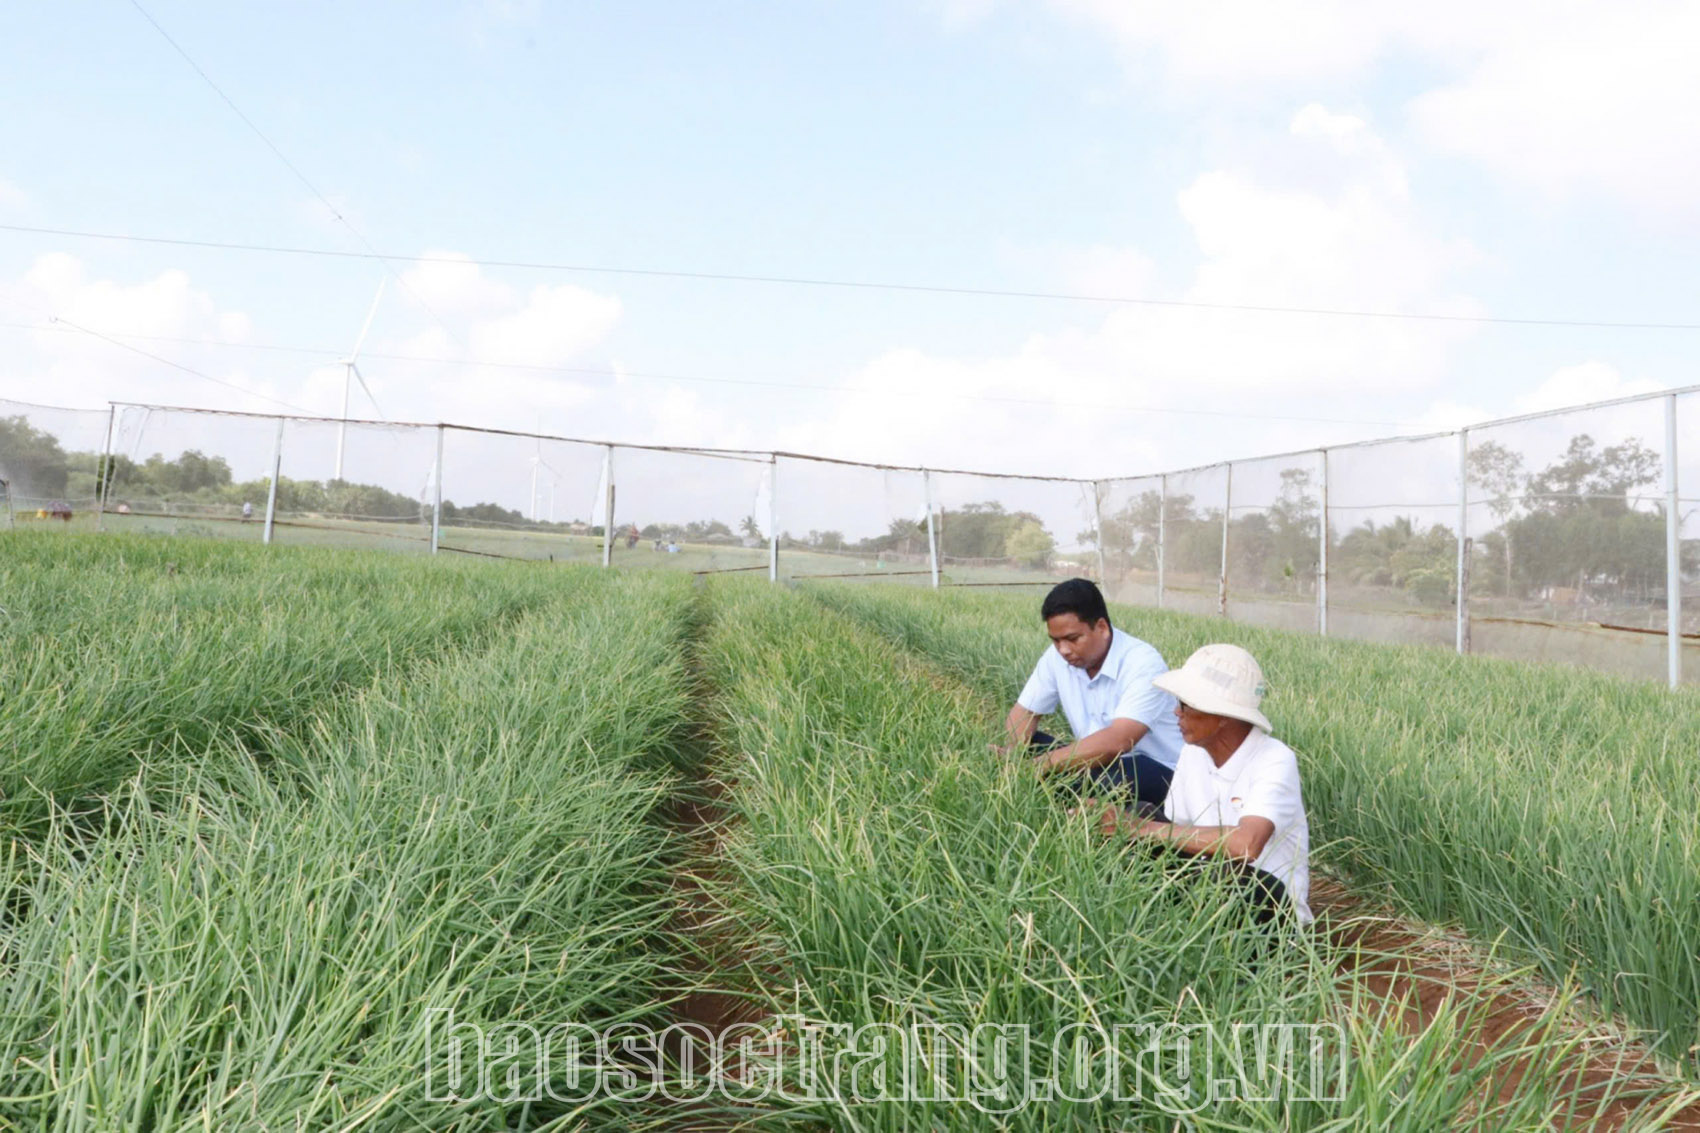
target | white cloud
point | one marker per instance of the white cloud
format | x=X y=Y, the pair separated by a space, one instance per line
x=1345 y=239
x=1230 y=48
x=1581 y=384
x=489 y=320
x=1240 y=41
x=1597 y=100
x=1563 y=97
x=12 y=198
x=64 y=365
x=164 y=305
x=956 y=14
x=1104 y=270
x=556 y=324
x=452 y=286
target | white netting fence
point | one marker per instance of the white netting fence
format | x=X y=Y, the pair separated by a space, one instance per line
x=1580 y=528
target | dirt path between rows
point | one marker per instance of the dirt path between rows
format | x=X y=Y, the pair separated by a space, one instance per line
x=1424 y=968
x=1427 y=968
x=717 y=984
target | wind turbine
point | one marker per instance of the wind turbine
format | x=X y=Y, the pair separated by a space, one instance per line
x=538 y=464
x=352 y=374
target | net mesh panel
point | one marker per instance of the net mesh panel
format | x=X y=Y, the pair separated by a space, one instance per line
x=1273 y=550
x=50 y=460
x=1393 y=541
x=1566 y=517
x=1192 y=539
x=1567 y=538
x=383 y=499
x=995 y=530
x=1129 y=510
x=178 y=472
x=691 y=511
x=520 y=497
x=849 y=521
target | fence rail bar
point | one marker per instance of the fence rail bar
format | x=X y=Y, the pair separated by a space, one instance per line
x=1673 y=549
x=773 y=520
x=104 y=471
x=1322 y=551
x=730 y=570
x=271 y=486
x=1461 y=631
x=932 y=534
x=437 y=496
x=1162 y=521
x=1222 y=579
x=858 y=574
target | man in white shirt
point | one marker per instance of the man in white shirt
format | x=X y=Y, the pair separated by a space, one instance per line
x=1104 y=681
x=1235 y=797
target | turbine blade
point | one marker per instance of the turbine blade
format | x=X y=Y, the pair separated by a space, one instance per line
x=361 y=378
x=367 y=325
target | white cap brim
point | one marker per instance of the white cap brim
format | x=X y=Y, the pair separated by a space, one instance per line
x=1198 y=693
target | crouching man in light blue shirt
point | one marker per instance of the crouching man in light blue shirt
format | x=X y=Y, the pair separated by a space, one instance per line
x=1124 y=727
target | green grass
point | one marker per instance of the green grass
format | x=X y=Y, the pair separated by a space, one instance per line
x=889 y=870
x=122 y=650
x=1552 y=806
x=318 y=795
x=265 y=950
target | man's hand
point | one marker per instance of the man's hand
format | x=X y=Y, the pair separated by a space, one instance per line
x=1018 y=729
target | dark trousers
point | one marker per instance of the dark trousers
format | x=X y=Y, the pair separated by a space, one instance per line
x=1142 y=777
x=1264 y=894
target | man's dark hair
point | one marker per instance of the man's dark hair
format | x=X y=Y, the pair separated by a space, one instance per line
x=1078 y=596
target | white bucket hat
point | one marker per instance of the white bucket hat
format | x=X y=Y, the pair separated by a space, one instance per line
x=1223 y=680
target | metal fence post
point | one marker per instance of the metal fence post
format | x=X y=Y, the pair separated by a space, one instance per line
x=1673 y=550
x=1222 y=580
x=271 y=489
x=1098 y=529
x=1162 y=524
x=608 y=506
x=437 y=501
x=932 y=535
x=773 y=518
x=1462 y=631
x=1322 y=555
x=105 y=477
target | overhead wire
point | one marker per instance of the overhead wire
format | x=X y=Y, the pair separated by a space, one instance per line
x=597 y=371
x=864 y=285
x=59 y=321
x=371 y=251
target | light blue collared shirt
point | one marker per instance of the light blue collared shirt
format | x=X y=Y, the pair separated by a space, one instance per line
x=1122 y=690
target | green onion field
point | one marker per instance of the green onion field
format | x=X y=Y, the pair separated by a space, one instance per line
x=302 y=839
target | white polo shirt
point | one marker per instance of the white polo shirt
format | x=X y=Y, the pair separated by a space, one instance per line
x=1262 y=779
x=1121 y=691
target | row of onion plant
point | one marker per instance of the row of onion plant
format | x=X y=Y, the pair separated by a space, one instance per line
x=422 y=877
x=891 y=876
x=1548 y=807
x=121 y=649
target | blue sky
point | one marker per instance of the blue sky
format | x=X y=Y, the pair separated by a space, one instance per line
x=1523 y=161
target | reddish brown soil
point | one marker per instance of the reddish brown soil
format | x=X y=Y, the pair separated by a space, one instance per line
x=700 y=819
x=1427 y=969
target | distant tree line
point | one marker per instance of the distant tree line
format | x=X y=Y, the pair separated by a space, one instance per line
x=1571 y=525
x=37 y=466
x=972 y=531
